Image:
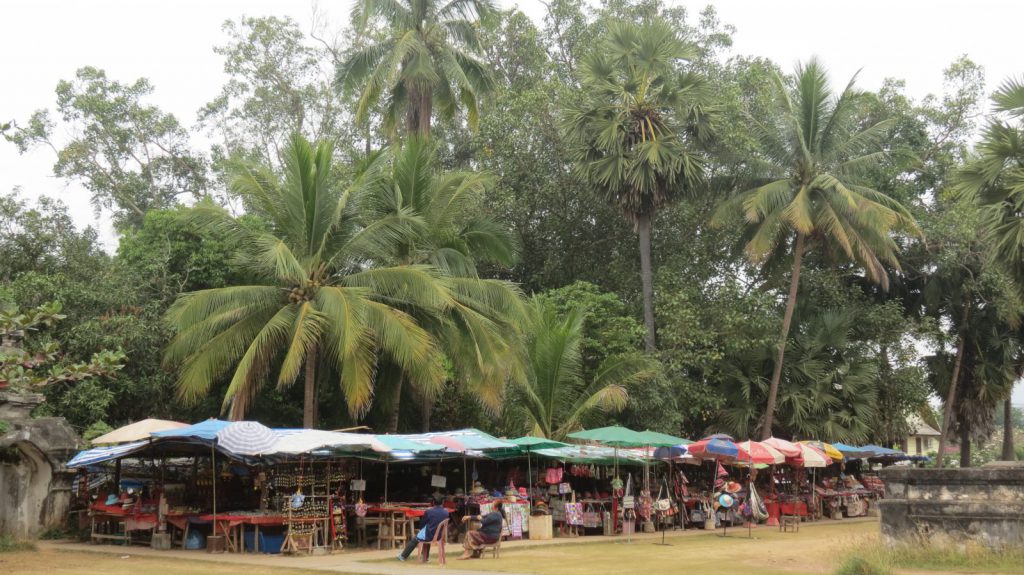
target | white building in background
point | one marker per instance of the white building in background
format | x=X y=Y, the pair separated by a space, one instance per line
x=923 y=438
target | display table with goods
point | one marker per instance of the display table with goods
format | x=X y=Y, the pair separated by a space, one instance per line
x=116 y=519
x=841 y=497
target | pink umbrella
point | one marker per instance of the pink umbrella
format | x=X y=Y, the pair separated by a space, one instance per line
x=755 y=452
x=785 y=447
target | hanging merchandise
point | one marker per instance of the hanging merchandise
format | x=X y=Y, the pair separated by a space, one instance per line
x=758 y=510
x=574 y=514
x=591 y=518
x=438 y=481
x=564 y=488
x=554 y=475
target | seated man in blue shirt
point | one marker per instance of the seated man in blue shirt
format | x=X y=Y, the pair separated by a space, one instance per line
x=431 y=519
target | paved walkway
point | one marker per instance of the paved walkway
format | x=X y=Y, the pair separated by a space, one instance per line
x=380 y=562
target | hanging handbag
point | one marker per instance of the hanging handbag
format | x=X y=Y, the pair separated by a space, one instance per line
x=662 y=504
x=554 y=476
x=591 y=519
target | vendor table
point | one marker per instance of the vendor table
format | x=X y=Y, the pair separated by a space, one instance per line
x=231 y=526
x=103 y=516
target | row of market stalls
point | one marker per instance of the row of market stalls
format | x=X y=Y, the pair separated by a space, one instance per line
x=243 y=486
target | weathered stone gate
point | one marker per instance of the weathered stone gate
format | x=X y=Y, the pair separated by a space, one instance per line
x=35 y=486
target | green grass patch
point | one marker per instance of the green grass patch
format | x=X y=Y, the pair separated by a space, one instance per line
x=9 y=544
x=872 y=558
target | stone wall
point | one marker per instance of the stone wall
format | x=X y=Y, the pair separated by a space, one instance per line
x=984 y=505
x=35 y=486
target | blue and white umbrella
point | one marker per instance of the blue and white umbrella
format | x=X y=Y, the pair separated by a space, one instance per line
x=246 y=438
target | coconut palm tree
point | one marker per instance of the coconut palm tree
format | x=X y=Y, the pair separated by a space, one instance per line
x=815 y=149
x=554 y=395
x=425 y=59
x=478 y=331
x=633 y=129
x=318 y=301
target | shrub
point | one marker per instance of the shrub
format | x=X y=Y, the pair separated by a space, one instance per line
x=8 y=544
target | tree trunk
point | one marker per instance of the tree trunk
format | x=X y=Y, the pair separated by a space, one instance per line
x=954 y=381
x=965 y=445
x=309 y=399
x=1008 y=452
x=787 y=320
x=417 y=116
x=396 y=404
x=643 y=228
x=426 y=410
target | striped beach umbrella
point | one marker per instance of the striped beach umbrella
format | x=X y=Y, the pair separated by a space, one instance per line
x=247 y=438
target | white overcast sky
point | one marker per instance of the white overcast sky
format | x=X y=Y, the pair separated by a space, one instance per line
x=170 y=42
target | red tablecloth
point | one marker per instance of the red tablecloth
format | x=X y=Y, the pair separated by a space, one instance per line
x=776 y=509
x=409 y=511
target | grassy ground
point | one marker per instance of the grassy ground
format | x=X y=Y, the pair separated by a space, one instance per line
x=50 y=562
x=823 y=548
x=813 y=550
x=826 y=548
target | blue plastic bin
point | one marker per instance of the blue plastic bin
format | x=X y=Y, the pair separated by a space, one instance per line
x=196 y=540
x=268 y=543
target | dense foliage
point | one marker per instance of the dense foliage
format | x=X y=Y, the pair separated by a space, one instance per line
x=367 y=214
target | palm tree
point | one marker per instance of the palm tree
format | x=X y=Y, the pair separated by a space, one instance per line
x=828 y=390
x=631 y=131
x=425 y=60
x=815 y=150
x=317 y=301
x=478 y=331
x=554 y=395
x=995 y=179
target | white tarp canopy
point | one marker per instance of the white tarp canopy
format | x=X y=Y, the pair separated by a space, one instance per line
x=310 y=440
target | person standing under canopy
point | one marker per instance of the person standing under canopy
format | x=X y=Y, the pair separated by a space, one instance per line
x=429 y=523
x=488 y=534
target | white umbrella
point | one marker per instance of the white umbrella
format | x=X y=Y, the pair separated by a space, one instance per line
x=137 y=431
x=812 y=457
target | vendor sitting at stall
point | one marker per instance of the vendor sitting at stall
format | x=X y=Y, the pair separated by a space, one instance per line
x=488 y=534
x=431 y=519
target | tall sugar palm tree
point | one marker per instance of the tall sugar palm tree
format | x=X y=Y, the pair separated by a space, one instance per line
x=554 y=395
x=995 y=178
x=424 y=59
x=479 y=330
x=318 y=301
x=815 y=149
x=633 y=129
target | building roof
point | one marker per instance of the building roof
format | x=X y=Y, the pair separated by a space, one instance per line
x=919 y=427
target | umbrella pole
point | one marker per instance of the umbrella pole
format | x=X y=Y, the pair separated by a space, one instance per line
x=465 y=479
x=386 y=468
x=213 y=473
x=529 y=479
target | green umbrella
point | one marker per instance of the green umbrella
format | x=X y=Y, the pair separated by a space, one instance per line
x=530 y=442
x=613 y=435
x=655 y=439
